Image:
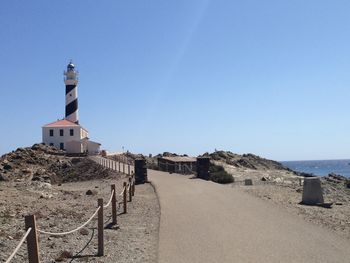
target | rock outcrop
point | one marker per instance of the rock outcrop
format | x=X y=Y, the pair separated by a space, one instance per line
x=44 y=163
x=249 y=160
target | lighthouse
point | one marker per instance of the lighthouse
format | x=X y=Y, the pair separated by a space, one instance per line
x=67 y=134
x=71 y=81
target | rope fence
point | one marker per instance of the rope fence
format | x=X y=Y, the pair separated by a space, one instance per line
x=32 y=231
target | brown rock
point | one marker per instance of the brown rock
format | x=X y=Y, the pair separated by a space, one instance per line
x=91 y=192
x=84 y=231
x=3 y=177
x=7 y=166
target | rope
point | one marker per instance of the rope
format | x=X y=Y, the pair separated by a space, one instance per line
x=72 y=231
x=88 y=243
x=19 y=245
x=122 y=192
x=110 y=200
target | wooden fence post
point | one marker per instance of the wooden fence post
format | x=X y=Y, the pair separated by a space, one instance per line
x=114 y=205
x=32 y=240
x=124 y=197
x=130 y=190
x=100 y=251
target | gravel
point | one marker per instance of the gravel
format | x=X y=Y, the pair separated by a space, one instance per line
x=64 y=207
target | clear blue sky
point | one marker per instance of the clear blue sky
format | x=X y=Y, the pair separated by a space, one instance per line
x=187 y=76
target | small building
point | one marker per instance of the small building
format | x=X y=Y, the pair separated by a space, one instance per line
x=177 y=164
x=69 y=136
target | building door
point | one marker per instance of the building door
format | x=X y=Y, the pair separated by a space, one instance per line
x=61 y=145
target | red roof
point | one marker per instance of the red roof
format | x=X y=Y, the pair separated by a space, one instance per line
x=61 y=123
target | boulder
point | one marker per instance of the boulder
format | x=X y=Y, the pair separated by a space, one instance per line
x=26 y=171
x=248 y=182
x=42 y=185
x=3 y=177
x=40 y=171
x=7 y=166
x=91 y=192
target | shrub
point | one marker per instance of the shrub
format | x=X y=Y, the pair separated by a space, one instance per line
x=219 y=175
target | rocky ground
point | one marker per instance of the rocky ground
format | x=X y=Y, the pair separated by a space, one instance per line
x=43 y=181
x=67 y=206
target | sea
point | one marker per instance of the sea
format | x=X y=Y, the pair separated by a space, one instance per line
x=320 y=167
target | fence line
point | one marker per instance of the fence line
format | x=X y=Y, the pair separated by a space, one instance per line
x=19 y=245
x=32 y=230
x=117 y=165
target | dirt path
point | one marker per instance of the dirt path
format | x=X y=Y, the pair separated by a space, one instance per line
x=206 y=222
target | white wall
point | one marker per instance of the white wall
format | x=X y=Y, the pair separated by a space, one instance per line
x=74 y=147
x=56 y=139
x=83 y=133
x=93 y=147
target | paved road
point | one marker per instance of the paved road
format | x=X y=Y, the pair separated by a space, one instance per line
x=206 y=222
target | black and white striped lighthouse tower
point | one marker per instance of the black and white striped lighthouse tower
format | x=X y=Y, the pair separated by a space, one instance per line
x=71 y=81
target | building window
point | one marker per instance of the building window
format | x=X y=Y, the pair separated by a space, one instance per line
x=61 y=132
x=51 y=133
x=51 y=144
x=61 y=145
x=71 y=132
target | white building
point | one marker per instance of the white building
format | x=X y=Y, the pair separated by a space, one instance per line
x=67 y=134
